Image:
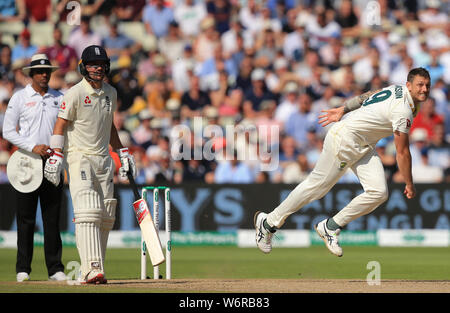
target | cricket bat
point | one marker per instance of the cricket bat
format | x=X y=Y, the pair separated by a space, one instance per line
x=147 y=226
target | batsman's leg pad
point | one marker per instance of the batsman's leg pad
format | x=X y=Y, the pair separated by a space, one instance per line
x=87 y=207
x=87 y=217
x=108 y=219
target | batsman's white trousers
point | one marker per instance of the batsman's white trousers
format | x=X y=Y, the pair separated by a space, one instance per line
x=92 y=190
x=341 y=150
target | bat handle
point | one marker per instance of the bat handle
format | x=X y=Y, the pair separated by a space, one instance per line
x=137 y=196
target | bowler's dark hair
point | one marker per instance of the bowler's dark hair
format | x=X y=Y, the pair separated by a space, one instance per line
x=417 y=71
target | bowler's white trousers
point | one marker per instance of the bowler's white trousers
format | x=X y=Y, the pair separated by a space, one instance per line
x=341 y=150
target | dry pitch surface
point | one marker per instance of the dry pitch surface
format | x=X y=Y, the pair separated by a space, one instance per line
x=250 y=286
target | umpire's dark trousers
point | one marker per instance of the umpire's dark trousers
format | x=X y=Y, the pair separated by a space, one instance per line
x=50 y=198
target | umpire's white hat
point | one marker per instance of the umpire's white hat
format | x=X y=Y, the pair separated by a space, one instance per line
x=25 y=171
x=39 y=60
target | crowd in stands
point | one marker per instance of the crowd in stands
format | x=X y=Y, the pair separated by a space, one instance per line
x=269 y=66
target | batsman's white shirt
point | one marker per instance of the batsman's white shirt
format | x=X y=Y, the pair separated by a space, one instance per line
x=350 y=144
x=91 y=113
x=30 y=117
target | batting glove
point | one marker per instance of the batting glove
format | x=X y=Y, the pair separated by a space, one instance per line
x=128 y=164
x=53 y=167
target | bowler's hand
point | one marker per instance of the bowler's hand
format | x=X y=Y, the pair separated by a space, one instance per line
x=42 y=150
x=410 y=191
x=331 y=116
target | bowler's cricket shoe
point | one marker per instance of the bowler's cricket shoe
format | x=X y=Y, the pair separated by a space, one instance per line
x=263 y=235
x=330 y=237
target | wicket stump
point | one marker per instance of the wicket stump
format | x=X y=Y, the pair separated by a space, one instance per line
x=168 y=228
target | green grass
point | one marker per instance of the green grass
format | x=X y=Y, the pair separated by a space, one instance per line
x=248 y=263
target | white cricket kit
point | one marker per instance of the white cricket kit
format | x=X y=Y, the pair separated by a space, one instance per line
x=350 y=143
x=90 y=168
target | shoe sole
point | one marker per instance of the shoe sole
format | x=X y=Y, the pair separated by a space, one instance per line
x=325 y=241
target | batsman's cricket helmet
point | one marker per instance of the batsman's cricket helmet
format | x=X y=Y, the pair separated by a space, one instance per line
x=93 y=53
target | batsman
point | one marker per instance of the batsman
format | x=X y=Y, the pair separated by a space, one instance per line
x=81 y=137
x=350 y=144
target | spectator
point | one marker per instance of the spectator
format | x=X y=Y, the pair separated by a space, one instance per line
x=256 y=94
x=243 y=80
x=5 y=62
x=347 y=19
x=427 y=117
x=251 y=17
x=419 y=140
x=435 y=68
x=157 y=18
x=194 y=100
x=117 y=43
x=424 y=172
x=24 y=49
x=230 y=38
x=12 y=11
x=233 y=172
x=39 y=10
x=296 y=172
x=83 y=36
x=61 y=54
x=4 y=157
x=288 y=104
x=126 y=83
x=266 y=48
x=301 y=121
x=189 y=15
x=439 y=148
x=221 y=11
x=129 y=10
x=183 y=70
x=172 y=46
x=321 y=29
x=142 y=134
x=206 y=41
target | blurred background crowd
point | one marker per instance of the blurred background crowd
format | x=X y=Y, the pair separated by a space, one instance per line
x=267 y=63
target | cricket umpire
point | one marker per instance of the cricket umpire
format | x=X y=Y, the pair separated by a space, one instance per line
x=81 y=137
x=28 y=124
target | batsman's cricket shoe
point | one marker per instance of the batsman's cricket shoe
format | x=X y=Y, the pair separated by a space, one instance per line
x=330 y=237
x=94 y=277
x=263 y=235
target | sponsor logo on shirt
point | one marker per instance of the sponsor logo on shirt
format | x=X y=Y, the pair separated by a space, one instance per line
x=30 y=104
x=87 y=101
